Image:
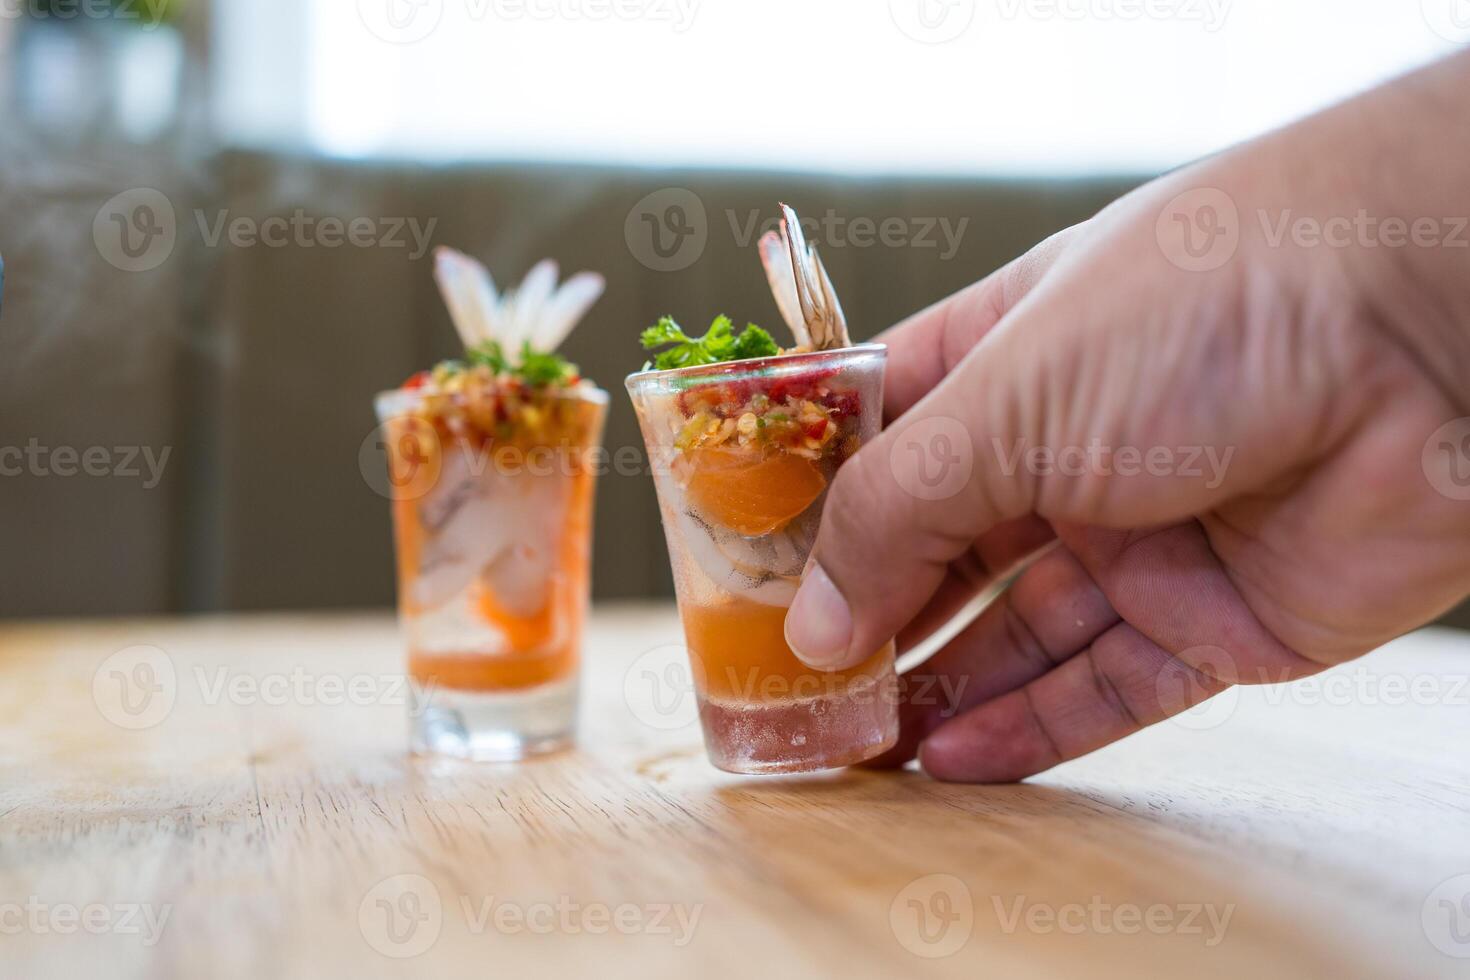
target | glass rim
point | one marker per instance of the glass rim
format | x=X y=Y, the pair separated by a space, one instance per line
x=774 y=365
x=396 y=401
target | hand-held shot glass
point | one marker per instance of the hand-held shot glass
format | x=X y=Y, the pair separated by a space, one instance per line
x=742 y=455
x=743 y=448
x=492 y=469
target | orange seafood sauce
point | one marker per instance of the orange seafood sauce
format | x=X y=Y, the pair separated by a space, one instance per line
x=533 y=658
x=738 y=652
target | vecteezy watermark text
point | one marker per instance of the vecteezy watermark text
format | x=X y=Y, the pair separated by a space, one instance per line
x=566 y=916
x=1446 y=459
x=150 y=13
x=1098 y=459
x=1101 y=917
x=1362 y=230
x=1445 y=917
x=1210 y=14
x=934 y=916
x=307 y=688
x=411 y=21
x=660 y=687
x=138 y=687
x=123 y=462
x=408 y=465
x=1200 y=230
x=835 y=231
x=40 y=918
x=138 y=230
x=669 y=230
x=304 y=230
x=403 y=916
x=1190 y=695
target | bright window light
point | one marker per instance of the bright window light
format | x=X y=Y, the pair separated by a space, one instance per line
x=866 y=86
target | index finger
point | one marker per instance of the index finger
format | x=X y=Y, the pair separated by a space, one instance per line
x=925 y=348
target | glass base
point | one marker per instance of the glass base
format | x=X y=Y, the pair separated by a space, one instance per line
x=804 y=735
x=480 y=727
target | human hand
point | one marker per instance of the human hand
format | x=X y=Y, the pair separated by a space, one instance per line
x=1235 y=491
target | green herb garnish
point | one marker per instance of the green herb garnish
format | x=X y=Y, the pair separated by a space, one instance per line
x=720 y=343
x=534 y=368
x=538 y=369
x=490 y=355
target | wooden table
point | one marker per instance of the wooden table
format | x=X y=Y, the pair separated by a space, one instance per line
x=256 y=816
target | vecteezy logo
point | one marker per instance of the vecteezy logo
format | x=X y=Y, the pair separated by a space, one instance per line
x=933 y=916
x=659 y=688
x=136 y=688
x=1445 y=917
x=932 y=21
x=933 y=458
x=401 y=916
x=1186 y=700
x=400 y=21
x=1450 y=19
x=1446 y=459
x=667 y=230
x=136 y=230
x=402 y=459
x=1199 y=231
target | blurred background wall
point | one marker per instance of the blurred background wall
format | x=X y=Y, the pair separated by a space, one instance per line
x=190 y=339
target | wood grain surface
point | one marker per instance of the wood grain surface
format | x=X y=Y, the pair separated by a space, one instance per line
x=231 y=798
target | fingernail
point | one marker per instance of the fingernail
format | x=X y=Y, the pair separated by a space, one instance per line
x=819 y=622
x=931 y=753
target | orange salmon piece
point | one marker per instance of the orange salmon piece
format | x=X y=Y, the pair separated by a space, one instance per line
x=749 y=494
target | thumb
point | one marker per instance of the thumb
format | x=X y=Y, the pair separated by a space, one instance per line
x=906 y=503
x=897 y=515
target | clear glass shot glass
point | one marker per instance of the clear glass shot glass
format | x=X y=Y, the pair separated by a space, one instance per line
x=492 y=520
x=742 y=455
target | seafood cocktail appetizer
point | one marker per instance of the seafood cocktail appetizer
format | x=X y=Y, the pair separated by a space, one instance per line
x=490 y=460
x=745 y=439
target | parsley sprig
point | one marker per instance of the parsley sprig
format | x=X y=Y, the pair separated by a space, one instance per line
x=535 y=368
x=720 y=343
